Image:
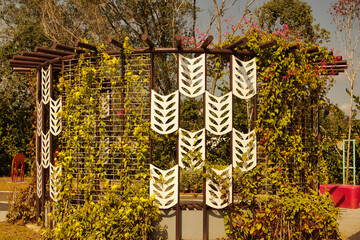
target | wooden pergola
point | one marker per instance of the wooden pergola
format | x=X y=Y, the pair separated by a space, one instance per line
x=30 y=62
x=42 y=57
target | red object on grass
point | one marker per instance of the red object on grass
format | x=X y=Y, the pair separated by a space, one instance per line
x=18 y=158
x=344 y=196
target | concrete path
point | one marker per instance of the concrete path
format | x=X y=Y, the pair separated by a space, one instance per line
x=4 y=205
x=349 y=223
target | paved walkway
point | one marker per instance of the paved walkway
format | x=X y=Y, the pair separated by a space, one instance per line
x=349 y=221
x=3 y=210
x=4 y=206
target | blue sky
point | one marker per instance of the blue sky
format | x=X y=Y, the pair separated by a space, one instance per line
x=320 y=11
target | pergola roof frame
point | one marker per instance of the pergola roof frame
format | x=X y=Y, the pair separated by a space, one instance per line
x=42 y=57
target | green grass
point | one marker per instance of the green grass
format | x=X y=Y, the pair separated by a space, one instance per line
x=10 y=231
x=7 y=185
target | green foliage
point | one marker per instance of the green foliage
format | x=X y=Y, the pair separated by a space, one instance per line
x=295 y=14
x=22 y=204
x=292 y=215
x=64 y=21
x=20 y=31
x=291 y=91
x=191 y=181
x=277 y=198
x=115 y=207
x=111 y=218
x=333 y=127
x=16 y=121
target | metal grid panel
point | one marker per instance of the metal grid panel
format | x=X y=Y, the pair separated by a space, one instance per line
x=112 y=116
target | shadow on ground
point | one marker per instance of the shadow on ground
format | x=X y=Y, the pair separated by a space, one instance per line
x=356 y=236
x=4 y=206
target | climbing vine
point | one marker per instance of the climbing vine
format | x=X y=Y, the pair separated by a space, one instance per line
x=275 y=197
x=95 y=202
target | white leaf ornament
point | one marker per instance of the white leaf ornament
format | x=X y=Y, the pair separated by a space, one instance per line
x=39 y=118
x=191 y=149
x=164 y=112
x=192 y=75
x=218 y=113
x=45 y=149
x=215 y=196
x=164 y=184
x=55 y=122
x=244 y=150
x=38 y=179
x=55 y=182
x=45 y=85
x=244 y=78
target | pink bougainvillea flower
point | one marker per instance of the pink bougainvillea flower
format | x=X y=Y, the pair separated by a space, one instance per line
x=120 y=113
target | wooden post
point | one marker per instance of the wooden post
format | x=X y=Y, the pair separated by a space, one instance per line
x=205 y=222
x=38 y=141
x=178 y=234
x=231 y=207
x=51 y=94
x=43 y=130
x=151 y=87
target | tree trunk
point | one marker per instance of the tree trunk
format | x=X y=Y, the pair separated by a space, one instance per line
x=349 y=134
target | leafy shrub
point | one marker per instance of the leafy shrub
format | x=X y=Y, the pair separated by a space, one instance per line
x=191 y=181
x=295 y=215
x=22 y=204
x=110 y=218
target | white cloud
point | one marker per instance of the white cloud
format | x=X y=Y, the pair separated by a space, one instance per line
x=346 y=108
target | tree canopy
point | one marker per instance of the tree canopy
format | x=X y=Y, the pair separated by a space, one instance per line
x=296 y=14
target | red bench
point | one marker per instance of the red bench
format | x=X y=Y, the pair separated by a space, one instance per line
x=344 y=196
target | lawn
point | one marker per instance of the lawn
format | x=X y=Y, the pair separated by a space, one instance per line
x=18 y=231
x=7 y=185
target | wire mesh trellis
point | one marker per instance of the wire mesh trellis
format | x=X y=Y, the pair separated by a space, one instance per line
x=111 y=115
x=111 y=102
x=108 y=123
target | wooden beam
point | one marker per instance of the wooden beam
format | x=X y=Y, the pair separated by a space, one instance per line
x=31 y=59
x=187 y=50
x=312 y=50
x=23 y=65
x=70 y=57
x=238 y=43
x=67 y=48
x=293 y=48
x=19 y=65
x=22 y=69
x=146 y=39
x=39 y=55
x=207 y=42
x=115 y=43
x=268 y=44
x=51 y=51
x=24 y=72
x=330 y=73
x=30 y=63
x=178 y=41
x=329 y=67
x=85 y=45
x=344 y=62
